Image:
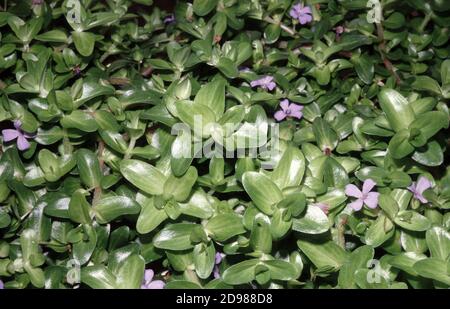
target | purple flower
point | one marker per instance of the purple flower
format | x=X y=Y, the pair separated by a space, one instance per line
x=151 y=284
x=2 y=286
x=169 y=19
x=339 y=30
x=244 y=69
x=288 y=110
x=418 y=188
x=37 y=2
x=266 y=83
x=324 y=207
x=218 y=260
x=365 y=197
x=10 y=134
x=302 y=13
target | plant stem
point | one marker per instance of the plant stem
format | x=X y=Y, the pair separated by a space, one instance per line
x=98 y=190
x=282 y=26
x=425 y=22
x=130 y=148
x=382 y=51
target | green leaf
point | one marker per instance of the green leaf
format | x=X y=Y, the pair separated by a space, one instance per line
x=290 y=169
x=143 y=175
x=80 y=120
x=397 y=109
x=212 y=95
x=83 y=249
x=438 y=241
x=175 y=237
x=281 y=270
x=389 y=205
x=358 y=259
x=227 y=67
x=429 y=155
x=240 y=273
x=203 y=7
x=98 y=277
x=182 y=284
x=263 y=191
x=261 y=238
x=315 y=221
x=204 y=259
x=433 y=268
x=225 y=226
x=426 y=83
x=196 y=116
x=326 y=137
x=131 y=272
x=79 y=208
x=112 y=207
x=89 y=168
x=379 y=231
x=364 y=68
x=324 y=255
x=150 y=217
x=180 y=188
x=412 y=221
x=428 y=124
x=84 y=42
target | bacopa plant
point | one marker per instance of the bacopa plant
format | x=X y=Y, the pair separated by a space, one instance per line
x=224 y=144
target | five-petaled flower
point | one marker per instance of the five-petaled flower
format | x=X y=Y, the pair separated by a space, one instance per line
x=22 y=137
x=288 y=110
x=302 y=13
x=363 y=197
x=217 y=261
x=418 y=188
x=149 y=283
x=266 y=83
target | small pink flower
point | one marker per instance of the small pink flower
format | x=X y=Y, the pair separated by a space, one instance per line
x=22 y=137
x=218 y=259
x=266 y=83
x=302 y=13
x=363 y=197
x=339 y=30
x=324 y=207
x=418 y=188
x=151 y=284
x=288 y=110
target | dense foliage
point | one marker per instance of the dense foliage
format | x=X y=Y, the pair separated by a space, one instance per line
x=96 y=189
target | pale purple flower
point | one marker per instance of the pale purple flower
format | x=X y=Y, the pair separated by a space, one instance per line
x=22 y=137
x=37 y=2
x=218 y=259
x=288 y=110
x=169 y=19
x=302 y=13
x=363 y=197
x=266 y=83
x=244 y=69
x=2 y=286
x=324 y=207
x=418 y=188
x=339 y=30
x=149 y=283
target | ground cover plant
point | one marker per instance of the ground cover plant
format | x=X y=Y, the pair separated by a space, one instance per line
x=224 y=144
